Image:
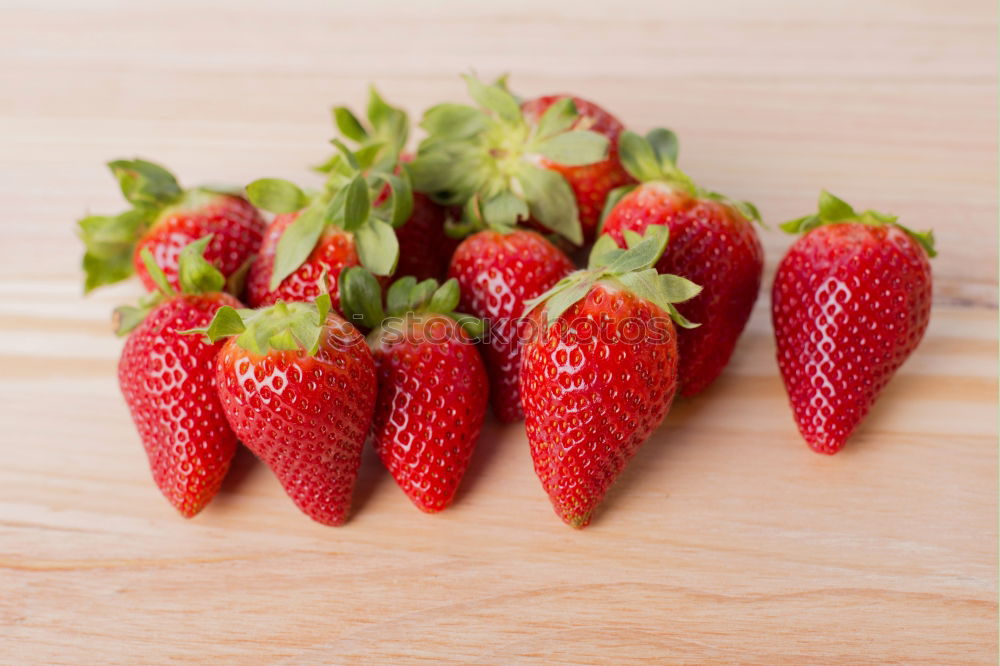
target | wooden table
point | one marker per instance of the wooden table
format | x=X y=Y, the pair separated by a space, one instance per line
x=726 y=540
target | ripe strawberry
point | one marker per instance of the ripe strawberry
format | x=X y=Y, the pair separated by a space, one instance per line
x=712 y=242
x=506 y=165
x=591 y=183
x=497 y=273
x=334 y=251
x=851 y=302
x=432 y=384
x=350 y=222
x=424 y=248
x=164 y=219
x=167 y=381
x=599 y=373
x=297 y=384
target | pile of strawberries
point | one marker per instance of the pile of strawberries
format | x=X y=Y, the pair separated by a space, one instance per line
x=407 y=293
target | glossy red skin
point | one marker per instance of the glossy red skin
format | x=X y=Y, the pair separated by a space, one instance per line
x=236 y=226
x=168 y=383
x=424 y=248
x=497 y=273
x=305 y=416
x=712 y=245
x=333 y=253
x=432 y=399
x=591 y=183
x=850 y=303
x=594 y=389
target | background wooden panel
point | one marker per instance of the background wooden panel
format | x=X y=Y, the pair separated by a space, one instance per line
x=726 y=540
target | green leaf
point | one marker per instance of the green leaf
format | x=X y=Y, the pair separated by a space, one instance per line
x=474 y=327
x=832 y=209
x=348 y=155
x=127 y=317
x=676 y=289
x=155 y=272
x=605 y=251
x=389 y=122
x=504 y=210
x=680 y=319
x=563 y=300
x=456 y=122
x=559 y=117
x=361 y=297
x=144 y=183
x=398 y=206
x=357 y=205
x=397 y=299
x=638 y=158
x=748 y=210
x=110 y=244
x=494 y=98
x=296 y=244
x=575 y=148
x=446 y=298
x=323 y=301
x=644 y=254
x=196 y=275
x=924 y=238
x=226 y=322
x=421 y=294
x=348 y=124
x=799 y=224
x=276 y=195
x=551 y=201
x=664 y=144
x=377 y=246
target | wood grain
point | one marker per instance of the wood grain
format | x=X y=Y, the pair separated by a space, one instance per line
x=725 y=541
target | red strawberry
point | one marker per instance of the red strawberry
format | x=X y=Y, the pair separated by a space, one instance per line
x=497 y=273
x=297 y=384
x=851 y=302
x=167 y=380
x=333 y=252
x=599 y=373
x=424 y=248
x=351 y=222
x=591 y=183
x=164 y=220
x=506 y=165
x=712 y=242
x=432 y=384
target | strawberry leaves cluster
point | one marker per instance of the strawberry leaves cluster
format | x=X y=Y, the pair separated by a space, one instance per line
x=396 y=300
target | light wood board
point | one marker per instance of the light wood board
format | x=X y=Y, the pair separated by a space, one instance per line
x=726 y=540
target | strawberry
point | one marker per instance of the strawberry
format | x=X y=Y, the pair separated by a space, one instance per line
x=497 y=273
x=168 y=383
x=599 y=370
x=591 y=183
x=164 y=219
x=424 y=248
x=297 y=384
x=851 y=302
x=350 y=222
x=506 y=165
x=432 y=386
x=712 y=242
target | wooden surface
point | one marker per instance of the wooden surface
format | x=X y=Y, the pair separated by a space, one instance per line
x=726 y=539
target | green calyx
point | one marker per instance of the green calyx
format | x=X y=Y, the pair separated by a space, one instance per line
x=630 y=269
x=195 y=274
x=380 y=141
x=279 y=327
x=653 y=158
x=486 y=160
x=832 y=210
x=109 y=241
x=361 y=301
x=352 y=199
